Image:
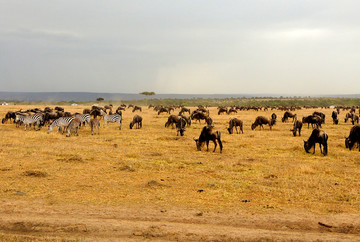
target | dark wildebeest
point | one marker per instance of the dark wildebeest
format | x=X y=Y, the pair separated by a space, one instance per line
x=180 y=126
x=231 y=110
x=287 y=115
x=354 y=119
x=172 y=119
x=188 y=119
x=321 y=115
x=261 y=120
x=222 y=110
x=235 y=122
x=137 y=121
x=273 y=116
x=94 y=125
x=86 y=111
x=59 y=109
x=335 y=117
x=354 y=137
x=297 y=127
x=8 y=116
x=206 y=135
x=200 y=116
x=317 y=136
x=163 y=110
x=137 y=108
x=347 y=116
x=183 y=110
x=311 y=119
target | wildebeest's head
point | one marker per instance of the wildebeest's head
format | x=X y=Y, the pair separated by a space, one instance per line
x=306 y=146
x=3 y=120
x=198 y=145
x=348 y=143
x=230 y=130
x=293 y=131
x=253 y=126
x=182 y=132
x=131 y=125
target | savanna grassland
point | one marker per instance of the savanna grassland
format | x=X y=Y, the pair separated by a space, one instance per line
x=150 y=183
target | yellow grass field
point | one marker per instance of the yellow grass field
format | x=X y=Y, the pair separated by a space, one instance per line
x=151 y=184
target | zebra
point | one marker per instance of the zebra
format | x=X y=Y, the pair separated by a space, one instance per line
x=83 y=118
x=36 y=119
x=19 y=118
x=62 y=122
x=74 y=126
x=111 y=118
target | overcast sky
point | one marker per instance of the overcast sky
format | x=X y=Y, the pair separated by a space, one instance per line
x=294 y=47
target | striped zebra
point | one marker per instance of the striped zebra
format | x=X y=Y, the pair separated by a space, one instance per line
x=61 y=123
x=113 y=118
x=37 y=120
x=83 y=118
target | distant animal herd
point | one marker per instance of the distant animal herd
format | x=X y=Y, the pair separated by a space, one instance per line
x=70 y=123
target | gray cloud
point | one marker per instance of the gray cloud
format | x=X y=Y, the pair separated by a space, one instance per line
x=295 y=47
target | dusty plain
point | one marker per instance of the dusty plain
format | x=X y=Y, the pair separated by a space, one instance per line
x=151 y=184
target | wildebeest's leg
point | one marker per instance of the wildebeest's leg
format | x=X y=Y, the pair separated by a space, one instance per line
x=214 y=144
x=207 y=145
x=321 y=149
x=314 y=148
x=236 y=129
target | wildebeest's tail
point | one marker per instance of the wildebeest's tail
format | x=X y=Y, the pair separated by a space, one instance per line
x=326 y=145
x=218 y=134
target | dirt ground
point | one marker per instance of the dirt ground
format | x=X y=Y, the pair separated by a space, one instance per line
x=24 y=221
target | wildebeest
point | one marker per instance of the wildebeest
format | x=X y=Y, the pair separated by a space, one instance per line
x=334 y=117
x=172 y=119
x=231 y=110
x=273 y=116
x=200 y=116
x=137 y=108
x=183 y=110
x=8 y=116
x=222 y=110
x=288 y=115
x=297 y=127
x=180 y=126
x=137 y=121
x=208 y=134
x=235 y=122
x=74 y=126
x=94 y=124
x=347 y=116
x=354 y=137
x=354 y=119
x=321 y=115
x=317 y=136
x=311 y=119
x=261 y=120
x=163 y=110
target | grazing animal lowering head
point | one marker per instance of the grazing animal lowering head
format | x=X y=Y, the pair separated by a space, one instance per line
x=306 y=146
x=198 y=146
x=230 y=130
x=131 y=125
x=253 y=126
x=347 y=142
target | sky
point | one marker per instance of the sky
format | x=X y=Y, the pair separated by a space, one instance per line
x=290 y=47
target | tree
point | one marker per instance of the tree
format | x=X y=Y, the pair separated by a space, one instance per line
x=99 y=99
x=147 y=94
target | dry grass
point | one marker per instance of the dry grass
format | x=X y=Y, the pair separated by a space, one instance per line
x=258 y=170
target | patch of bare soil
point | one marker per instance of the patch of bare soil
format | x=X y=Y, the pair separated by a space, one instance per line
x=38 y=221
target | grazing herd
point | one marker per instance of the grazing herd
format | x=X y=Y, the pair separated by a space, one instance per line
x=71 y=123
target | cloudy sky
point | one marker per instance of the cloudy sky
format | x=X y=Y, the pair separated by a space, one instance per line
x=294 y=47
